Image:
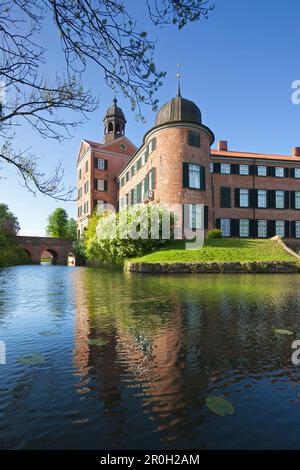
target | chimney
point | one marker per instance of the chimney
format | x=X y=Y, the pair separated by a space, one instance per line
x=296 y=152
x=222 y=145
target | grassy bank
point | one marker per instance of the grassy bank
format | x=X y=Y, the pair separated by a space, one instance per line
x=220 y=251
x=12 y=255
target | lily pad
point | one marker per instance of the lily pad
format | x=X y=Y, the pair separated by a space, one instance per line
x=283 y=332
x=97 y=342
x=219 y=406
x=33 y=359
x=48 y=333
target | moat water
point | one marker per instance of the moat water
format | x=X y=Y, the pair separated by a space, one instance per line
x=163 y=344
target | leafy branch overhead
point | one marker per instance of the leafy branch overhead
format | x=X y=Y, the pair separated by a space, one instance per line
x=100 y=32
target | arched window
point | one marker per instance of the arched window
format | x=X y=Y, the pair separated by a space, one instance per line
x=110 y=127
x=118 y=129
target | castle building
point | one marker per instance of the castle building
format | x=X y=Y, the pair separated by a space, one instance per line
x=244 y=194
x=97 y=165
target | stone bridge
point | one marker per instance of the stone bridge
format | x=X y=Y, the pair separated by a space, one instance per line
x=59 y=248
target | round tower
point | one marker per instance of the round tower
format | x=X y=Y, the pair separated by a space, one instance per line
x=182 y=155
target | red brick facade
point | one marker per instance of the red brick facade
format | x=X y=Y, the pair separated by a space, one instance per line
x=244 y=194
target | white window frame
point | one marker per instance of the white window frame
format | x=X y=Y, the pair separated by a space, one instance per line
x=262 y=198
x=244 y=169
x=194 y=176
x=100 y=185
x=262 y=229
x=297 y=228
x=280 y=228
x=279 y=199
x=244 y=196
x=297 y=199
x=244 y=228
x=261 y=170
x=225 y=168
x=195 y=216
x=100 y=164
x=297 y=172
x=279 y=172
x=225 y=227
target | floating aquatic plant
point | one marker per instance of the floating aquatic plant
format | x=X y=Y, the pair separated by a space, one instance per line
x=219 y=405
x=33 y=359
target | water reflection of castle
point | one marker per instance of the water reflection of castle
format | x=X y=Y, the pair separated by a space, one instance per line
x=169 y=345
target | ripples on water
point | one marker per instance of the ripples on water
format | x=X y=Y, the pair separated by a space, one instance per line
x=166 y=344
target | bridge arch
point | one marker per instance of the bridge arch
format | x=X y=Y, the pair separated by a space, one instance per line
x=59 y=248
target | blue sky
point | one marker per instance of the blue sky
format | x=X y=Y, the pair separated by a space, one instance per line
x=238 y=66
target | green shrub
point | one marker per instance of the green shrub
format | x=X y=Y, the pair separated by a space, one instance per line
x=78 y=250
x=112 y=245
x=215 y=233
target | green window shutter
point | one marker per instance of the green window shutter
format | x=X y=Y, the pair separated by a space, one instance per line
x=105 y=164
x=95 y=162
x=256 y=198
x=286 y=199
x=193 y=139
x=292 y=172
x=202 y=177
x=271 y=199
x=105 y=185
x=287 y=228
x=225 y=197
x=217 y=167
x=293 y=200
x=146 y=183
x=270 y=228
x=234 y=227
x=293 y=229
x=218 y=223
x=185 y=172
x=252 y=228
x=270 y=171
x=286 y=172
x=237 y=197
x=205 y=217
x=153 y=177
x=234 y=169
x=252 y=197
x=95 y=184
x=251 y=170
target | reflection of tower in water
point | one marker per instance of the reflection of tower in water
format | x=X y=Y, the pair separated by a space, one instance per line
x=144 y=364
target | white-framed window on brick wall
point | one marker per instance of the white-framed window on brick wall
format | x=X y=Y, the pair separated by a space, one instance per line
x=225 y=227
x=244 y=197
x=279 y=199
x=297 y=229
x=244 y=228
x=101 y=164
x=297 y=199
x=279 y=228
x=262 y=228
x=262 y=198
x=101 y=185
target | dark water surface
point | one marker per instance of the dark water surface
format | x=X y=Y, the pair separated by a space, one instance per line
x=166 y=343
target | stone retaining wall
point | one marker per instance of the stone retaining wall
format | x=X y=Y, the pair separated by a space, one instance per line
x=215 y=268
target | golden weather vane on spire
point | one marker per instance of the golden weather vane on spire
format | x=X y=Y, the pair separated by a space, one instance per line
x=178 y=75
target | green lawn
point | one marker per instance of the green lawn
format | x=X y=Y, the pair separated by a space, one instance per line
x=220 y=250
